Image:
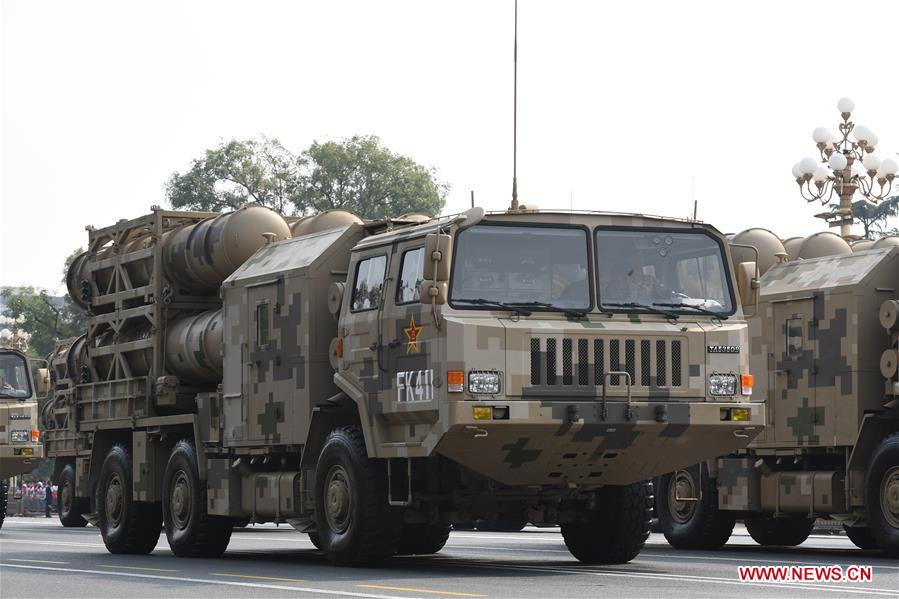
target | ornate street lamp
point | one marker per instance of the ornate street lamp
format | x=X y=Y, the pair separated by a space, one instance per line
x=847 y=164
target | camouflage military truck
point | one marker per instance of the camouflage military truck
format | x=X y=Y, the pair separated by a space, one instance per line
x=824 y=352
x=370 y=383
x=20 y=448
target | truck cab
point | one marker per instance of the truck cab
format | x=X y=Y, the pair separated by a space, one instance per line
x=20 y=447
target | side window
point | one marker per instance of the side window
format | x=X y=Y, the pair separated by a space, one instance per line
x=411 y=270
x=794 y=338
x=262 y=324
x=369 y=285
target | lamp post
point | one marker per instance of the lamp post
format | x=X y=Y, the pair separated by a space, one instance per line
x=847 y=165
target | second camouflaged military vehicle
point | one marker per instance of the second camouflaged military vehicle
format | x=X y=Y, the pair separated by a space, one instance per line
x=20 y=447
x=372 y=383
x=824 y=355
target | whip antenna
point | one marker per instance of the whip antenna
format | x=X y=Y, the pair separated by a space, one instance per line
x=515 y=115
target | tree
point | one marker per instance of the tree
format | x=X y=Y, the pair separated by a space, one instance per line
x=356 y=174
x=874 y=217
x=42 y=317
x=360 y=175
x=235 y=173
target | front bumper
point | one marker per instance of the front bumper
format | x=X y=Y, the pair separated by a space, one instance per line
x=584 y=443
x=15 y=459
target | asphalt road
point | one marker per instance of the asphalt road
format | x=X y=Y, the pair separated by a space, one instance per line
x=39 y=558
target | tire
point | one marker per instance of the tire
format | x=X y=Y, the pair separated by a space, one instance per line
x=316 y=540
x=240 y=522
x=422 y=539
x=861 y=536
x=353 y=520
x=692 y=524
x=4 y=498
x=127 y=526
x=190 y=530
x=617 y=530
x=788 y=531
x=882 y=495
x=500 y=525
x=68 y=505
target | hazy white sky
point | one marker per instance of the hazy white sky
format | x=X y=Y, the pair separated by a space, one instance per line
x=620 y=103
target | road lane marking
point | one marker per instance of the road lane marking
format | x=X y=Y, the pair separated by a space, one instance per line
x=36 y=561
x=233 y=583
x=136 y=568
x=413 y=590
x=64 y=543
x=676 y=577
x=259 y=577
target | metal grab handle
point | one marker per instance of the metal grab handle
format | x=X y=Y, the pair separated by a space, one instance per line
x=740 y=434
x=627 y=381
x=478 y=431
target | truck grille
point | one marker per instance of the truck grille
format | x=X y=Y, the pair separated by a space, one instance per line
x=584 y=362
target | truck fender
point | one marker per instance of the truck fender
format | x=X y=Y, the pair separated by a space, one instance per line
x=874 y=429
x=324 y=420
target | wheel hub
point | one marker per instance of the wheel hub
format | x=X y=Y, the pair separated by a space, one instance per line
x=181 y=500
x=338 y=501
x=115 y=499
x=889 y=496
x=681 y=489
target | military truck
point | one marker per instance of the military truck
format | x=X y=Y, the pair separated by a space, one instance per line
x=21 y=450
x=824 y=352
x=371 y=383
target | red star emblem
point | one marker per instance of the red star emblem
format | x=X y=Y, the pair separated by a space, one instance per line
x=412 y=332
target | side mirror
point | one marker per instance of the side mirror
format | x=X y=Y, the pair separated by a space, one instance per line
x=438 y=249
x=431 y=293
x=42 y=382
x=748 y=284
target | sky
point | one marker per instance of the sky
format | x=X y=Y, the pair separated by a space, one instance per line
x=622 y=106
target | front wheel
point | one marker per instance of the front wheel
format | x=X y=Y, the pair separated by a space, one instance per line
x=882 y=495
x=353 y=520
x=422 y=539
x=127 y=526
x=190 y=530
x=787 y=531
x=687 y=507
x=860 y=536
x=69 y=506
x=4 y=494
x=615 y=532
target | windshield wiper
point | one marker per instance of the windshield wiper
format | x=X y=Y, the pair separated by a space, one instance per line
x=486 y=302
x=646 y=307
x=552 y=307
x=699 y=309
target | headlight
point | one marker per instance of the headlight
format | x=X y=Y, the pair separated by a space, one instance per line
x=485 y=382
x=18 y=436
x=722 y=384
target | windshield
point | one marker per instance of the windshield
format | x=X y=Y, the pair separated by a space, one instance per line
x=678 y=271
x=13 y=376
x=541 y=267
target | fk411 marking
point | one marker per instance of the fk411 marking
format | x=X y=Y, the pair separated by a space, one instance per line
x=415 y=385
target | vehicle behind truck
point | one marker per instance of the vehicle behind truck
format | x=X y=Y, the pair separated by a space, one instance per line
x=371 y=383
x=21 y=450
x=824 y=351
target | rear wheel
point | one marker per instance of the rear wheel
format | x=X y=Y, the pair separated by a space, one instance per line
x=4 y=495
x=353 y=520
x=422 y=539
x=787 y=531
x=500 y=525
x=861 y=537
x=882 y=495
x=616 y=531
x=687 y=507
x=190 y=530
x=127 y=526
x=316 y=540
x=69 y=506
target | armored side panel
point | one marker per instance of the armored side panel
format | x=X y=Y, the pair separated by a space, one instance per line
x=277 y=331
x=816 y=346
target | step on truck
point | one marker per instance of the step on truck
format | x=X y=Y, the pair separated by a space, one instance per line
x=21 y=449
x=371 y=383
x=824 y=344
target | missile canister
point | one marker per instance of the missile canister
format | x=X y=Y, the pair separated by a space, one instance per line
x=193 y=347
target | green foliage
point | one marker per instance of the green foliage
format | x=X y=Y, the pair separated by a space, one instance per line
x=235 y=173
x=362 y=176
x=874 y=218
x=42 y=316
x=356 y=174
